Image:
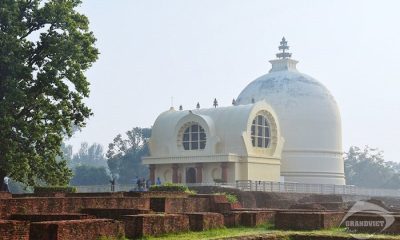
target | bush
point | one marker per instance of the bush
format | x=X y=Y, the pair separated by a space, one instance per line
x=171 y=187
x=230 y=197
x=52 y=189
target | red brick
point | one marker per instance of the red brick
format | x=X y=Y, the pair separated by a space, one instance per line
x=307 y=220
x=14 y=230
x=157 y=194
x=154 y=224
x=179 y=205
x=90 y=229
x=42 y=217
x=205 y=220
x=5 y=195
x=115 y=213
x=66 y=205
x=232 y=219
x=255 y=218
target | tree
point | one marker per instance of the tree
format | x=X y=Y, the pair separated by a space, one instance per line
x=367 y=168
x=45 y=47
x=66 y=153
x=89 y=175
x=89 y=155
x=124 y=155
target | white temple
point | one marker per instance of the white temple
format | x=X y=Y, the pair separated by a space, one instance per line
x=285 y=125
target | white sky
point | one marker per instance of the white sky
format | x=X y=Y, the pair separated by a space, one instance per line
x=194 y=51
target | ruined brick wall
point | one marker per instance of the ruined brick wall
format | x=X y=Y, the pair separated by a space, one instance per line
x=287 y=220
x=154 y=224
x=204 y=221
x=157 y=194
x=255 y=218
x=49 y=217
x=5 y=195
x=66 y=205
x=14 y=230
x=276 y=200
x=180 y=205
x=113 y=213
x=90 y=229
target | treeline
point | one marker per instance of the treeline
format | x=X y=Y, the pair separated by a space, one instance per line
x=366 y=167
x=91 y=165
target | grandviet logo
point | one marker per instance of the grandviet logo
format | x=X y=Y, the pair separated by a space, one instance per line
x=367 y=217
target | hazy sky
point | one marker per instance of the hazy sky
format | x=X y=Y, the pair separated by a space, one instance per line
x=195 y=51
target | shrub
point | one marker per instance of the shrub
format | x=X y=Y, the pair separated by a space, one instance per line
x=230 y=197
x=52 y=189
x=171 y=187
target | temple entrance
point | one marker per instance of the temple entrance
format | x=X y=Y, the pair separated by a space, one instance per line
x=190 y=175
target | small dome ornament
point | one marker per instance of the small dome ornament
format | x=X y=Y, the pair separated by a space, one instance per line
x=198 y=105
x=283 y=47
x=215 y=104
x=180 y=108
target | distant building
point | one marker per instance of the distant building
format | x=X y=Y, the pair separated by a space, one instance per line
x=285 y=125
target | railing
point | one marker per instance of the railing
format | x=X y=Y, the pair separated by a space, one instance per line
x=106 y=188
x=266 y=186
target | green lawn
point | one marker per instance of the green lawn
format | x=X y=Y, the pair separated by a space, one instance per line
x=214 y=234
x=245 y=231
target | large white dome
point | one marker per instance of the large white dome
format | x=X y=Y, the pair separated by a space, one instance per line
x=310 y=123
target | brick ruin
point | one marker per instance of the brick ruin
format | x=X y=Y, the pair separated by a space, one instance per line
x=135 y=214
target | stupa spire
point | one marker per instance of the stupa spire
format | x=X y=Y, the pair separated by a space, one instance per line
x=283 y=47
x=284 y=61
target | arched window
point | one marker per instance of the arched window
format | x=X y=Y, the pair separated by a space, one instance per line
x=260 y=132
x=194 y=137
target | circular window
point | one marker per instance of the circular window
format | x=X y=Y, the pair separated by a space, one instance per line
x=260 y=132
x=194 y=137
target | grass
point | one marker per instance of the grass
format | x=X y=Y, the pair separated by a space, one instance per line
x=213 y=234
x=232 y=198
x=264 y=229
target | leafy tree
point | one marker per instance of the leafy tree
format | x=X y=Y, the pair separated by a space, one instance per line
x=89 y=175
x=45 y=47
x=124 y=155
x=367 y=168
x=66 y=153
x=89 y=155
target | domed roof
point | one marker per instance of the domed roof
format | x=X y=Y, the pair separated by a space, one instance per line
x=309 y=118
x=290 y=84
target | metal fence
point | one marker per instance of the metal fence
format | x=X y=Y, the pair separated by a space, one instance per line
x=105 y=188
x=266 y=186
